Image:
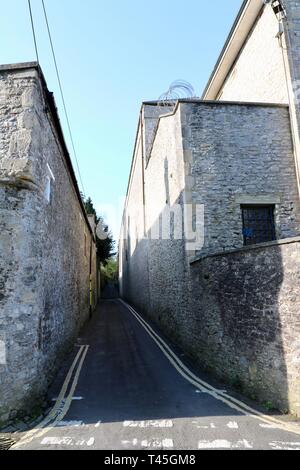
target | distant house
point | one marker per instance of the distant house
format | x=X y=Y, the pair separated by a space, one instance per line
x=47 y=244
x=210 y=235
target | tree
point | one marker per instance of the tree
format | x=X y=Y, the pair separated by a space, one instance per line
x=105 y=246
x=109 y=272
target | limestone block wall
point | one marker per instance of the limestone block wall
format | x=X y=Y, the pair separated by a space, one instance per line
x=240 y=154
x=45 y=245
x=150 y=120
x=245 y=321
x=165 y=195
x=134 y=245
x=258 y=73
x=222 y=155
x=133 y=276
x=152 y=274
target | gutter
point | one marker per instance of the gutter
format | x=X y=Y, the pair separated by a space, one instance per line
x=229 y=41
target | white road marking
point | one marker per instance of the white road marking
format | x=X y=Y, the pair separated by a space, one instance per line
x=233 y=425
x=73 y=399
x=168 y=444
x=57 y=441
x=278 y=445
x=97 y=424
x=165 y=423
x=268 y=426
x=67 y=441
x=62 y=406
x=153 y=443
x=90 y=442
x=70 y=423
x=243 y=444
x=193 y=379
x=133 y=443
x=199 y=425
x=218 y=444
x=158 y=444
x=224 y=444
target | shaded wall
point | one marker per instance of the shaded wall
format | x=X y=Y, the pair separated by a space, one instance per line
x=44 y=247
x=218 y=154
x=133 y=261
x=245 y=323
x=168 y=266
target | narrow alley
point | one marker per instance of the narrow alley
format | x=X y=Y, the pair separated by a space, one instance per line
x=125 y=388
x=149 y=227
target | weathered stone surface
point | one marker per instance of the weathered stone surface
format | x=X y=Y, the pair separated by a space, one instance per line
x=238 y=313
x=44 y=266
x=240 y=151
x=245 y=323
x=219 y=155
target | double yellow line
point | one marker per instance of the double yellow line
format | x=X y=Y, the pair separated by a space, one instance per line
x=185 y=372
x=62 y=404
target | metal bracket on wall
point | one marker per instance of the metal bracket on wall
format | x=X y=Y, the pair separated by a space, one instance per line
x=278 y=8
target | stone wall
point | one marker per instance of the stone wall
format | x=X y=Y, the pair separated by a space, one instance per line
x=220 y=155
x=245 y=321
x=267 y=69
x=165 y=193
x=240 y=154
x=45 y=244
x=133 y=250
x=137 y=219
x=258 y=73
x=152 y=265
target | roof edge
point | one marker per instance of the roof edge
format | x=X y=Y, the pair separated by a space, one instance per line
x=19 y=66
x=243 y=24
x=50 y=101
x=218 y=103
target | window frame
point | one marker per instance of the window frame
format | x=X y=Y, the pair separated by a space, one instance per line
x=272 y=222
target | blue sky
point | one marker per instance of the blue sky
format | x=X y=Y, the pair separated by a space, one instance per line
x=112 y=56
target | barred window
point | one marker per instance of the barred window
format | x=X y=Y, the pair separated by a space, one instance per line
x=258 y=224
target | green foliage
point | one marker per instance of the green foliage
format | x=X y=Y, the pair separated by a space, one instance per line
x=269 y=406
x=109 y=271
x=89 y=207
x=105 y=247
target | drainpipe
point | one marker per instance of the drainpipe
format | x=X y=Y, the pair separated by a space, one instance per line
x=286 y=46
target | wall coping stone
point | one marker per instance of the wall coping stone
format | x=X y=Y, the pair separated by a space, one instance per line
x=259 y=246
x=217 y=103
x=52 y=113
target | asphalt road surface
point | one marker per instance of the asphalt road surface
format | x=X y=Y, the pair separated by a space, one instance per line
x=124 y=389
